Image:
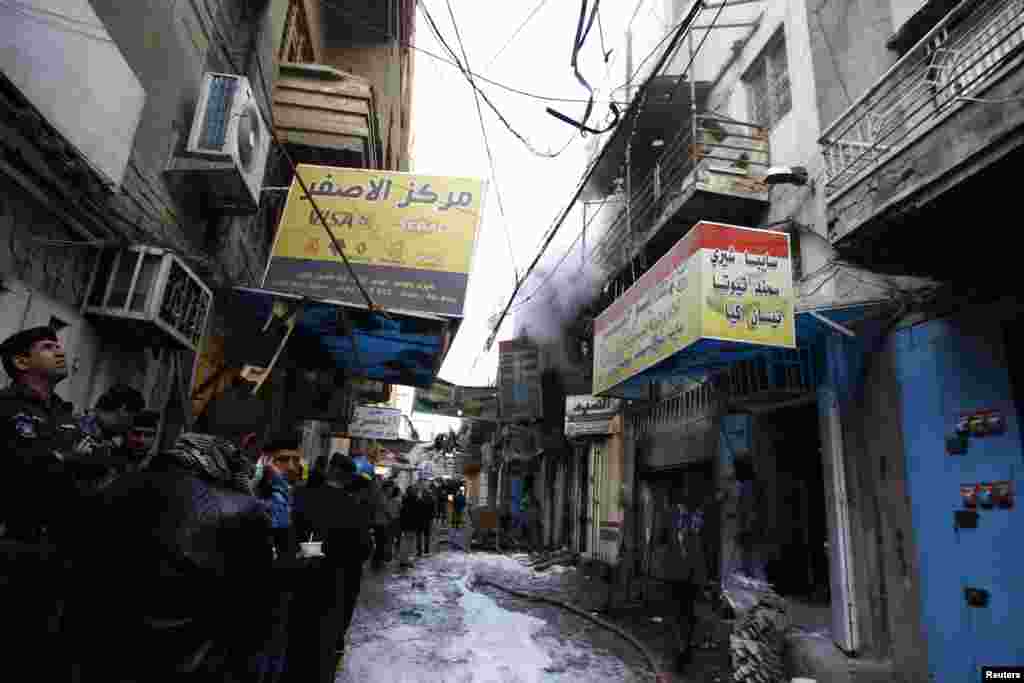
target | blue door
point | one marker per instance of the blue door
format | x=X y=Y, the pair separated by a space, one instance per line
x=947 y=369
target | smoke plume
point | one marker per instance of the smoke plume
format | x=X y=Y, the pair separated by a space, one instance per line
x=552 y=300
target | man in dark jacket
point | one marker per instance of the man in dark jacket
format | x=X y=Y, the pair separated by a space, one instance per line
x=110 y=424
x=440 y=503
x=185 y=547
x=410 y=523
x=275 y=491
x=40 y=442
x=325 y=597
x=426 y=522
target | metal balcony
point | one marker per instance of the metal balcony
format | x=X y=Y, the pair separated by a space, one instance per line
x=966 y=56
x=711 y=171
x=774 y=379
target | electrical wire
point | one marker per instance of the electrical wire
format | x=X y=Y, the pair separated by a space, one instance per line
x=647 y=58
x=560 y=219
x=642 y=102
x=562 y=260
x=581 y=39
x=600 y=30
x=515 y=33
x=696 y=52
x=383 y=33
x=982 y=100
x=487 y=143
x=501 y=117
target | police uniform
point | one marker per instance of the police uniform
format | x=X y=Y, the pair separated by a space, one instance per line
x=33 y=432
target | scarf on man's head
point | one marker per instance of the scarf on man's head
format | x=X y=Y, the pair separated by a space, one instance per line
x=214 y=458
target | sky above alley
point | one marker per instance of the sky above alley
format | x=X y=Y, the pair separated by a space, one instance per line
x=533 y=189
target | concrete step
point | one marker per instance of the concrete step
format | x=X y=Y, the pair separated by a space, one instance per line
x=817 y=658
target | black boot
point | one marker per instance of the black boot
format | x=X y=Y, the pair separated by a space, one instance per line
x=683 y=660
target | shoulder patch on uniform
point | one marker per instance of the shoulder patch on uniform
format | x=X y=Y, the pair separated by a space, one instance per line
x=25 y=425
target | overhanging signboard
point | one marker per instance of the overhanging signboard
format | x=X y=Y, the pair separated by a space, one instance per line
x=589 y=415
x=370 y=390
x=451 y=400
x=438 y=399
x=376 y=423
x=721 y=283
x=409 y=238
x=519 y=380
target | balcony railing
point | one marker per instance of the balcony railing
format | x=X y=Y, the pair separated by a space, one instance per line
x=961 y=55
x=725 y=157
x=776 y=374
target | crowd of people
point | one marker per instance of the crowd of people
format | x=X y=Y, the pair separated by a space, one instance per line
x=216 y=559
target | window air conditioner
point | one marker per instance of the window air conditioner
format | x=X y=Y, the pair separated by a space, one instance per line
x=227 y=148
x=147 y=297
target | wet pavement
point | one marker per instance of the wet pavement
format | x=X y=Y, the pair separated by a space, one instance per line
x=432 y=623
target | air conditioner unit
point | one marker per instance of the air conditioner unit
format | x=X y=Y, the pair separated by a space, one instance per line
x=227 y=148
x=146 y=296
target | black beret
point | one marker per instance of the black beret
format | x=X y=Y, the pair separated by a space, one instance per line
x=22 y=342
x=147 y=419
x=283 y=442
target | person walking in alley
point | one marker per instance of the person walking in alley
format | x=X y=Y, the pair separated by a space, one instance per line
x=685 y=570
x=427 y=513
x=409 y=519
x=358 y=481
x=440 y=504
x=324 y=600
x=395 y=514
x=381 y=516
x=459 y=509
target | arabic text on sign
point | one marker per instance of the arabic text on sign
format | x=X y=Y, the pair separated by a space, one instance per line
x=379 y=189
x=340 y=219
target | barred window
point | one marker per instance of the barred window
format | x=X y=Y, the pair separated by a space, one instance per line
x=767 y=83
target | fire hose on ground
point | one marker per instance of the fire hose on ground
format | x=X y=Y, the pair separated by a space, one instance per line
x=651 y=662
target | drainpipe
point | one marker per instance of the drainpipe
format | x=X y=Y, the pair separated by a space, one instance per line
x=693 y=95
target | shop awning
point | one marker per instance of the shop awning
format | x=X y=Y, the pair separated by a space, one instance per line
x=708 y=356
x=393 y=348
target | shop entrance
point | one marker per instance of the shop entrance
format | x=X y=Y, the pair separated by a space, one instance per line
x=692 y=486
x=798 y=563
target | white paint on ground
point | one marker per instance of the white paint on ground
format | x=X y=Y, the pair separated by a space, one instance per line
x=443 y=630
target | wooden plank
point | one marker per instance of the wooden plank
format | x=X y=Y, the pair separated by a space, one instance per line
x=308 y=139
x=321 y=121
x=301 y=98
x=351 y=88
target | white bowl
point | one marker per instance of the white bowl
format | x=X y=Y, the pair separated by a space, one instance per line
x=311 y=549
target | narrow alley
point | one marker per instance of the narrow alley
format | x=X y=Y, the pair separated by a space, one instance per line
x=434 y=623
x=675 y=326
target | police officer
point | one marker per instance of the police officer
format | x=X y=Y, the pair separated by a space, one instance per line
x=38 y=433
x=39 y=440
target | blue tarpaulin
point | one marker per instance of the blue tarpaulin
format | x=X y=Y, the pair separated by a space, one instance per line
x=392 y=348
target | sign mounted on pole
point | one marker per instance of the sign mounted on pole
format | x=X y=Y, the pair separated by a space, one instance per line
x=376 y=423
x=410 y=239
x=452 y=400
x=720 y=284
x=519 y=381
x=586 y=415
